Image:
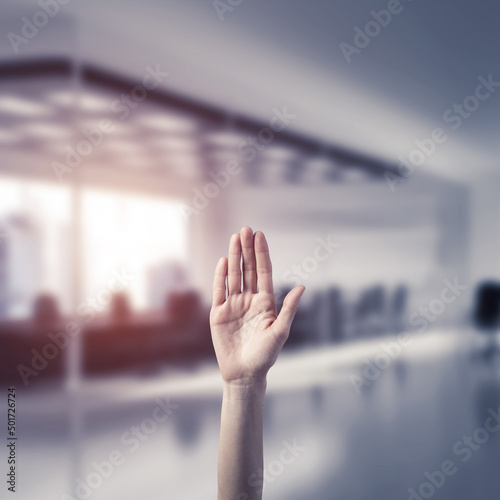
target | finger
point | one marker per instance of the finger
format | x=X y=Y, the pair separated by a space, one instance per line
x=283 y=322
x=263 y=262
x=234 y=265
x=249 y=265
x=219 y=288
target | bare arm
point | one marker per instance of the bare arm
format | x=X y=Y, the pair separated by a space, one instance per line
x=248 y=336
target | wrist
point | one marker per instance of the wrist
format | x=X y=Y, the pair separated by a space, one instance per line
x=245 y=388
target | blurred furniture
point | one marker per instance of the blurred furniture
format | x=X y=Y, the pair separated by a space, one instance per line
x=487 y=310
x=487 y=315
x=122 y=340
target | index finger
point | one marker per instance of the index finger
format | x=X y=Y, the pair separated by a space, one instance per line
x=264 y=266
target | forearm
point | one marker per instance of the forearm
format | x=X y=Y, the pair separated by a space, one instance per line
x=240 y=447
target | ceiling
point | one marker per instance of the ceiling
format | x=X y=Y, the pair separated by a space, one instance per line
x=78 y=122
x=267 y=54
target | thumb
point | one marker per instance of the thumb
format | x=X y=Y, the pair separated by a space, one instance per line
x=290 y=306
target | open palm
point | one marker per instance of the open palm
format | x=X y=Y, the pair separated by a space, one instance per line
x=246 y=332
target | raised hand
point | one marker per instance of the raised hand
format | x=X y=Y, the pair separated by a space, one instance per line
x=247 y=333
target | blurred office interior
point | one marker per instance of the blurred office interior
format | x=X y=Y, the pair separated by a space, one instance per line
x=136 y=138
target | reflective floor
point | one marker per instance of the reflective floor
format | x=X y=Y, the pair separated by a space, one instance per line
x=376 y=442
